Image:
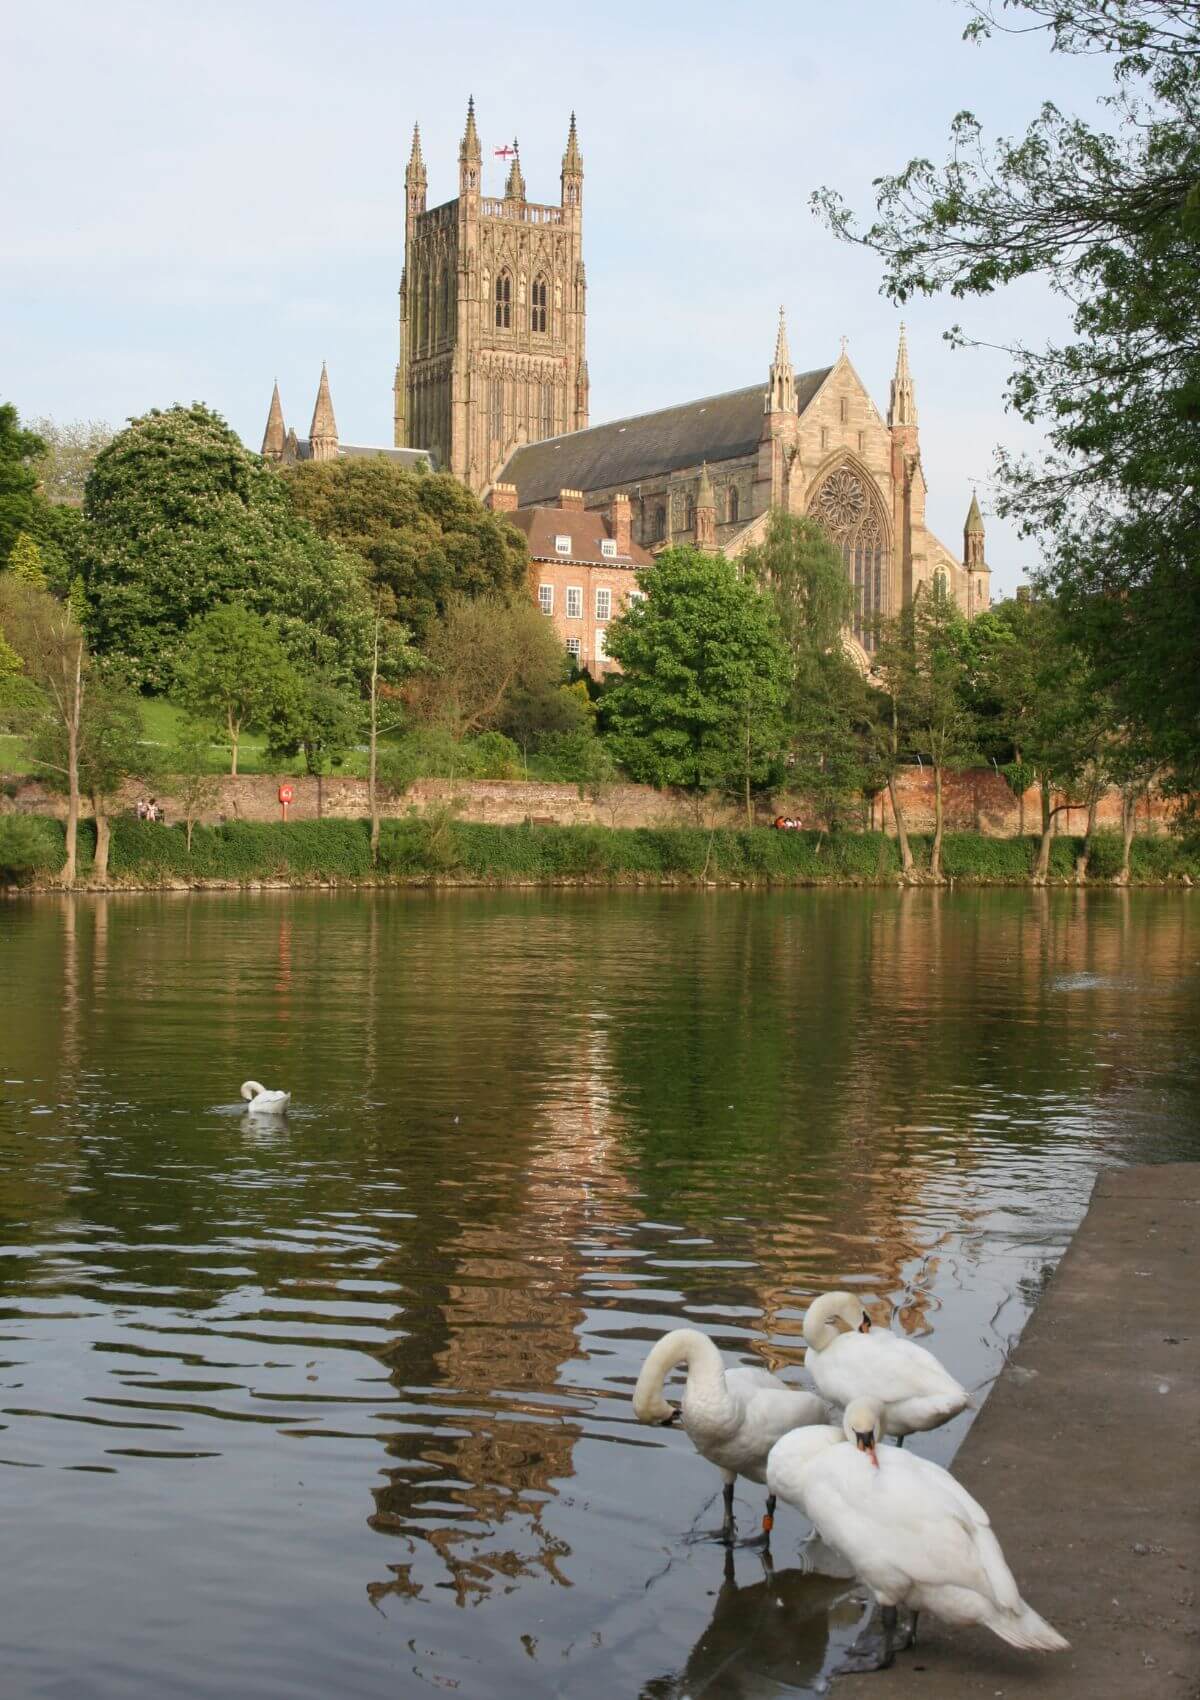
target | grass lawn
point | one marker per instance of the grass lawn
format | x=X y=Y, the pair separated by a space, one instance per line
x=161 y=720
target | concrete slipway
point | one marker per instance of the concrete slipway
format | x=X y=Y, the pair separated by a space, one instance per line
x=1087 y=1457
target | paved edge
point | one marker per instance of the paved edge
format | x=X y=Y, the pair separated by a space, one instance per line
x=1086 y=1456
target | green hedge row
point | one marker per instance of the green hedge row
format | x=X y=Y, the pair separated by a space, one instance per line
x=436 y=845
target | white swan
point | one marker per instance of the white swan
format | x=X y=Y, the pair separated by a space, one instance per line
x=865 y=1363
x=263 y=1102
x=732 y=1417
x=913 y=1534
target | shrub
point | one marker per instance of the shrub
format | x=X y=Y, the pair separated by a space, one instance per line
x=30 y=844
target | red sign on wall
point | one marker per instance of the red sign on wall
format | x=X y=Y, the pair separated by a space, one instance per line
x=286 y=794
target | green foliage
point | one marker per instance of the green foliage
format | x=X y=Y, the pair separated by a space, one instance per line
x=180 y=518
x=424 y=536
x=25 y=562
x=491 y=663
x=578 y=758
x=19 y=452
x=69 y=454
x=432 y=752
x=242 y=850
x=705 y=677
x=110 y=748
x=29 y=844
x=314 y=716
x=232 y=671
x=1110 y=217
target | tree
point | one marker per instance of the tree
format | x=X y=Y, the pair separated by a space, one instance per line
x=316 y=717
x=43 y=632
x=181 y=517
x=424 y=536
x=701 y=698
x=486 y=657
x=25 y=562
x=110 y=749
x=19 y=452
x=69 y=454
x=805 y=577
x=193 y=782
x=1111 y=219
x=390 y=658
x=232 y=671
x=922 y=662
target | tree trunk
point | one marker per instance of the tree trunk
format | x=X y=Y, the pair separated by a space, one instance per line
x=189 y=823
x=1128 y=824
x=103 y=834
x=906 y=860
x=372 y=797
x=935 y=854
x=74 y=716
x=1085 y=854
x=235 y=733
x=320 y=796
x=749 y=809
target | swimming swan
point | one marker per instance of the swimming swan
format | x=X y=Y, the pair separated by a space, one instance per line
x=913 y=1534
x=865 y=1363
x=732 y=1417
x=261 y=1101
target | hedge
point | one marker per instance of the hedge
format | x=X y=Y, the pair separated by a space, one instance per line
x=436 y=845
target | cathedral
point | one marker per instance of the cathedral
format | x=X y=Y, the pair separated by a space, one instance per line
x=492 y=385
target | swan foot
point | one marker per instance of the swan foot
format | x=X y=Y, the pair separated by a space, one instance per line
x=769 y=1516
x=869 y=1654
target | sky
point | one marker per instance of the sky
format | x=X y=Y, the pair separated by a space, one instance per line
x=202 y=198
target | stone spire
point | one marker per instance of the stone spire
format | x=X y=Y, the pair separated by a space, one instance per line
x=973 y=537
x=322 y=435
x=706 y=512
x=781 y=385
x=514 y=189
x=572 y=169
x=275 y=435
x=416 y=177
x=469 y=151
x=902 y=408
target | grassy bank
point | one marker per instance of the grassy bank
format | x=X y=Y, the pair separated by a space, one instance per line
x=440 y=848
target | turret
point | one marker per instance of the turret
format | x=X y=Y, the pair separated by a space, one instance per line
x=470 y=154
x=275 y=436
x=572 y=170
x=323 y=436
x=902 y=406
x=706 y=512
x=416 y=178
x=781 y=383
x=514 y=189
x=975 y=560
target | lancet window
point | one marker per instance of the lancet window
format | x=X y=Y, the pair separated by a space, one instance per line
x=539 y=299
x=503 y=301
x=847 y=513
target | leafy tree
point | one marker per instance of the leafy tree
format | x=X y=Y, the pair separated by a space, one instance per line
x=701 y=698
x=42 y=631
x=316 y=717
x=805 y=577
x=110 y=750
x=1110 y=217
x=69 y=454
x=22 y=845
x=19 y=452
x=489 y=659
x=425 y=537
x=180 y=518
x=922 y=661
x=389 y=659
x=232 y=672
x=193 y=782
x=25 y=562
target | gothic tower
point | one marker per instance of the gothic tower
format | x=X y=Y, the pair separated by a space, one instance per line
x=492 y=314
x=908 y=479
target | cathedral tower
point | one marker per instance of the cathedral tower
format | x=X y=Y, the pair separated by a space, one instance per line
x=492 y=314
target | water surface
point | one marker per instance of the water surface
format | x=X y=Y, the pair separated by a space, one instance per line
x=341 y=1405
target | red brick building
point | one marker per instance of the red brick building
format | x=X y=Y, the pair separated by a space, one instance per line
x=582 y=567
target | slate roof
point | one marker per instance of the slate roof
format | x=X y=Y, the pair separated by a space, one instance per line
x=586 y=528
x=715 y=428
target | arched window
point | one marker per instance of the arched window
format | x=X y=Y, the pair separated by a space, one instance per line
x=546 y=402
x=844 y=410
x=443 y=327
x=733 y=504
x=423 y=327
x=538 y=303
x=850 y=517
x=503 y=301
x=690 y=514
x=660 y=523
x=941 y=587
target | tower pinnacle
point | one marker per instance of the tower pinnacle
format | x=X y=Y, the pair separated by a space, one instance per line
x=781 y=383
x=323 y=435
x=706 y=512
x=572 y=169
x=514 y=189
x=902 y=406
x=416 y=164
x=274 y=436
x=470 y=152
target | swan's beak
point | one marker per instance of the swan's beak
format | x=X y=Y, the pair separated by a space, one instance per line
x=673 y=1418
x=864 y=1326
x=866 y=1443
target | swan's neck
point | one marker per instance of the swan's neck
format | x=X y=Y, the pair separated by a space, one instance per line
x=705 y=1373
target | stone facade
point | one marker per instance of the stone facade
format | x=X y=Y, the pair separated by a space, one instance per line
x=492 y=314
x=282 y=445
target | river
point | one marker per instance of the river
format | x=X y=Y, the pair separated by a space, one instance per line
x=340 y=1406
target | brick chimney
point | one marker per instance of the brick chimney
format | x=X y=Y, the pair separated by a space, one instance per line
x=571 y=499
x=502 y=498
x=622 y=525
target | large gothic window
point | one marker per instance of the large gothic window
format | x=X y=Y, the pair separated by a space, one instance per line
x=546 y=405
x=537 y=310
x=733 y=504
x=849 y=516
x=503 y=301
